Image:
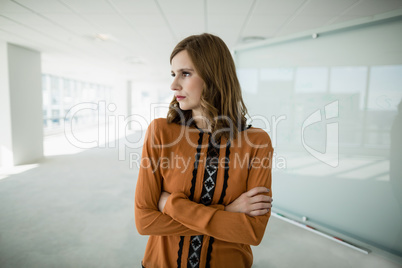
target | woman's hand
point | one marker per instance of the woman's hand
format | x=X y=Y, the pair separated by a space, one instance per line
x=252 y=203
x=162 y=200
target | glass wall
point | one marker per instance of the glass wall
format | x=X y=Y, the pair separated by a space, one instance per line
x=332 y=107
x=61 y=94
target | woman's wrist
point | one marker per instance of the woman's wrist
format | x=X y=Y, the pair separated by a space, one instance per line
x=162 y=200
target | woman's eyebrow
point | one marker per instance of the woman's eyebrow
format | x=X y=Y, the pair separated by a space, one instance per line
x=184 y=69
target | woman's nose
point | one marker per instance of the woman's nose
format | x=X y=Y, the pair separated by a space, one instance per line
x=175 y=85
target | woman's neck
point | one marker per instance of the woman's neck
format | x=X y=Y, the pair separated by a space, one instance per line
x=203 y=126
x=201 y=122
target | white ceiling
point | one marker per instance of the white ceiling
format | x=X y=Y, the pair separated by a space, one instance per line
x=147 y=30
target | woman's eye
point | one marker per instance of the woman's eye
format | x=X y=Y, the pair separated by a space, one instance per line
x=172 y=75
x=185 y=74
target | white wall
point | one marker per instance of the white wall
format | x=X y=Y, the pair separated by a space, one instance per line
x=6 y=157
x=25 y=98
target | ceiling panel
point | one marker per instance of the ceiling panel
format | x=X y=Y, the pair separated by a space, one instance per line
x=264 y=25
x=186 y=24
x=325 y=7
x=59 y=41
x=221 y=20
x=151 y=28
x=182 y=6
x=73 y=34
x=155 y=38
x=149 y=20
x=44 y=6
x=78 y=43
x=344 y=18
x=228 y=6
x=30 y=19
x=90 y=6
x=275 y=7
x=109 y=49
x=6 y=20
x=263 y=32
x=184 y=17
x=122 y=33
x=371 y=7
x=301 y=24
x=136 y=6
x=40 y=26
x=35 y=40
x=155 y=33
x=16 y=39
x=74 y=22
x=183 y=34
x=106 y=21
x=228 y=24
x=132 y=48
x=7 y=6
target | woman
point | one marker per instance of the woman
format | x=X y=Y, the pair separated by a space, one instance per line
x=203 y=187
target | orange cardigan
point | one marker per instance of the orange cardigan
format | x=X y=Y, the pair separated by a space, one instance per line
x=174 y=159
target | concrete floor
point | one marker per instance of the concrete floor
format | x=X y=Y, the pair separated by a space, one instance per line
x=77 y=211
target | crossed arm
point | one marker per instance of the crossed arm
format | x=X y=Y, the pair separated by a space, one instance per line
x=234 y=223
x=242 y=221
x=176 y=216
x=252 y=203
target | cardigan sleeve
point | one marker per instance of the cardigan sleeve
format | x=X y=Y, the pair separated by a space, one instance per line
x=148 y=219
x=224 y=225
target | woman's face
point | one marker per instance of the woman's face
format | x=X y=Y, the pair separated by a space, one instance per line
x=187 y=83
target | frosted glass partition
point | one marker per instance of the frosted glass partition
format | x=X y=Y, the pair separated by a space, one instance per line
x=330 y=106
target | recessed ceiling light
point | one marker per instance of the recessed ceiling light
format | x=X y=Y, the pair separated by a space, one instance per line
x=102 y=37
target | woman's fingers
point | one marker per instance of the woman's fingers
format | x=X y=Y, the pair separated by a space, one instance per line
x=254 y=202
x=258 y=212
x=260 y=198
x=257 y=190
x=259 y=206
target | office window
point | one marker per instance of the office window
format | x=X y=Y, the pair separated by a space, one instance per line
x=61 y=94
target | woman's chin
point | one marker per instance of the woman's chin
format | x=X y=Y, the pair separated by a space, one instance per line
x=183 y=107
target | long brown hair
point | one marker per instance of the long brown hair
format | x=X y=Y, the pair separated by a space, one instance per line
x=221 y=99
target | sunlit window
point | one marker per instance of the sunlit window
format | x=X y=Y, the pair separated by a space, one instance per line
x=61 y=94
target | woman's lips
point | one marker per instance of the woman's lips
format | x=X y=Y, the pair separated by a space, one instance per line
x=178 y=98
